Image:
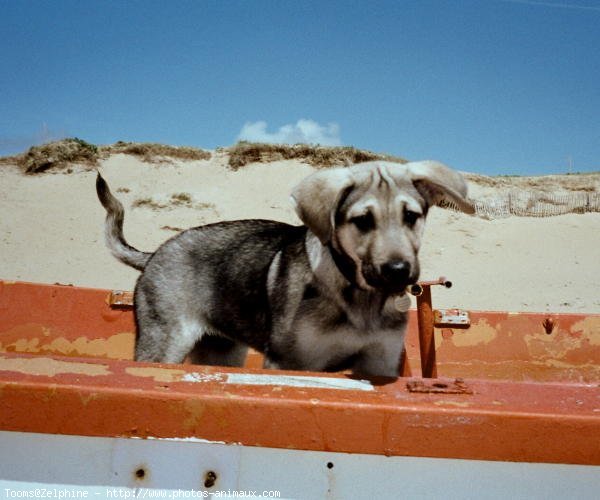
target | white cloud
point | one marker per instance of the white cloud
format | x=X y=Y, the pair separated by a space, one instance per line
x=303 y=131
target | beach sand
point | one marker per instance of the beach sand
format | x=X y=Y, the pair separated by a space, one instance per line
x=51 y=229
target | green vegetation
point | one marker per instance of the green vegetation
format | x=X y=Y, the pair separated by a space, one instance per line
x=61 y=155
x=57 y=155
x=156 y=153
x=244 y=153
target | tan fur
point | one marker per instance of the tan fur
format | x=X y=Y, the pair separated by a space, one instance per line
x=329 y=295
x=385 y=191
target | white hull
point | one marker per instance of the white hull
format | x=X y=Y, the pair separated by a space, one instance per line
x=60 y=466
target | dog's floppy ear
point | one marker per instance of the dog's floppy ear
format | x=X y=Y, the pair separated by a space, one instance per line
x=440 y=185
x=316 y=199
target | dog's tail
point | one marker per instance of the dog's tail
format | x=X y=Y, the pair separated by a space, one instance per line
x=113 y=229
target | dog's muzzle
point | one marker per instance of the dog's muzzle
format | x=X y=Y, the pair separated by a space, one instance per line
x=392 y=276
x=396 y=271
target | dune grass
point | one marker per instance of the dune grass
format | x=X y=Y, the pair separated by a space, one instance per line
x=57 y=155
x=243 y=153
x=156 y=153
x=63 y=154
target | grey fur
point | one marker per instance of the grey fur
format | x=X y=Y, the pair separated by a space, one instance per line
x=325 y=296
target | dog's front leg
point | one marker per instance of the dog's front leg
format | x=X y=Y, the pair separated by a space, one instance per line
x=381 y=359
x=269 y=364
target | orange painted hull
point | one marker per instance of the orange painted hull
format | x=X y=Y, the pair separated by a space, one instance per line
x=530 y=392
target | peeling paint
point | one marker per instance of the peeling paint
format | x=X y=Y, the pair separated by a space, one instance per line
x=189 y=439
x=203 y=377
x=442 y=423
x=158 y=374
x=577 y=348
x=480 y=333
x=87 y=397
x=299 y=381
x=588 y=367
x=194 y=409
x=49 y=367
x=114 y=346
x=22 y=345
x=557 y=346
x=590 y=327
x=438 y=338
x=35 y=338
x=517 y=370
x=462 y=404
x=130 y=401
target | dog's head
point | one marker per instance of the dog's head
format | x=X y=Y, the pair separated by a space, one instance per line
x=371 y=216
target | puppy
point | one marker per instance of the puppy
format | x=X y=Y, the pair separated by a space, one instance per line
x=324 y=296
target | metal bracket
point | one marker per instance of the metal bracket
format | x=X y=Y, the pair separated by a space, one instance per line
x=120 y=299
x=451 y=318
x=439 y=386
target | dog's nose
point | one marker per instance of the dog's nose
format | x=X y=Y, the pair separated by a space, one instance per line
x=396 y=271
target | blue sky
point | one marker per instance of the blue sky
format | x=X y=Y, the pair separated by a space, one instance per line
x=489 y=86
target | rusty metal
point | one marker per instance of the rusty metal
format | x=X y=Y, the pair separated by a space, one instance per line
x=123 y=398
x=63 y=320
x=451 y=318
x=500 y=345
x=426 y=324
x=516 y=346
x=548 y=325
x=120 y=299
x=404 y=368
x=427 y=320
x=525 y=387
x=439 y=386
x=426 y=338
x=440 y=281
x=210 y=478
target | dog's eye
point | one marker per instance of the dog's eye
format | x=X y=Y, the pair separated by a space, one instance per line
x=410 y=217
x=364 y=223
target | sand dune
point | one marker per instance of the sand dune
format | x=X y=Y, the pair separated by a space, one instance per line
x=52 y=228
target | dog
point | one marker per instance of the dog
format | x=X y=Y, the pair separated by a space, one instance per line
x=324 y=296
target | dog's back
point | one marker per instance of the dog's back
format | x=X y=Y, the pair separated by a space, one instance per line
x=220 y=272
